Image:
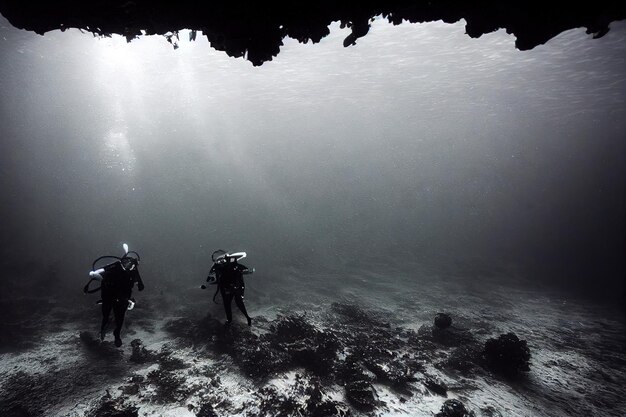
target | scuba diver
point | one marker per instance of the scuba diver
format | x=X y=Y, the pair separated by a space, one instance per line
x=117 y=280
x=227 y=273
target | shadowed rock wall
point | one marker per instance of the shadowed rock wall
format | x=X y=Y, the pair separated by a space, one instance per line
x=255 y=30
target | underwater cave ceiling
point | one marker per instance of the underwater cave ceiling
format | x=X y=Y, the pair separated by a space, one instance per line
x=255 y=30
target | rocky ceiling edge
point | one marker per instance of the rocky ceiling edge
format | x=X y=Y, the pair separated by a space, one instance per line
x=255 y=30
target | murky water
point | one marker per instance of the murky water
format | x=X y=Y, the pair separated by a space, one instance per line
x=373 y=187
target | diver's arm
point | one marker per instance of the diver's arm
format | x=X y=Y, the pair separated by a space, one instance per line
x=95 y=276
x=245 y=270
x=211 y=278
x=140 y=285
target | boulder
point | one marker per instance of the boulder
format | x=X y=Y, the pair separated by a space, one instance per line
x=443 y=321
x=454 y=408
x=507 y=355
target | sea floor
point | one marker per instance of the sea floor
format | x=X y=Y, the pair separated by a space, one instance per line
x=326 y=344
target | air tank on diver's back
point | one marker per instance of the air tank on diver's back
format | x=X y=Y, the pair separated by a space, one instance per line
x=220 y=257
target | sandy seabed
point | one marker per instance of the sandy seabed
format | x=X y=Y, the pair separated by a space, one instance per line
x=329 y=344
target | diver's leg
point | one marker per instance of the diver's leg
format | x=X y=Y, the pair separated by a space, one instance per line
x=227 y=299
x=242 y=307
x=106 y=313
x=119 y=310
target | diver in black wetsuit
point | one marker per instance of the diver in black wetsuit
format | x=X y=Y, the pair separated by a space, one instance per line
x=228 y=274
x=116 y=285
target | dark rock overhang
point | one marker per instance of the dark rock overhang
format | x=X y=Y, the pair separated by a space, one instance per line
x=255 y=30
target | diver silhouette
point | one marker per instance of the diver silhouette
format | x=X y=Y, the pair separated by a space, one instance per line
x=117 y=280
x=228 y=274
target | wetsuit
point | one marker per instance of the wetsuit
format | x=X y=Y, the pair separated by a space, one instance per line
x=116 y=289
x=231 y=286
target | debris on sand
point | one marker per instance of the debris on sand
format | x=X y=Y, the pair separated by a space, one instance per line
x=318 y=406
x=169 y=362
x=463 y=360
x=140 y=354
x=169 y=386
x=113 y=407
x=435 y=386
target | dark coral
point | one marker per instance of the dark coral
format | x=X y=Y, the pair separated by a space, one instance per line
x=206 y=411
x=258 y=359
x=314 y=349
x=350 y=345
x=109 y=407
x=168 y=384
x=317 y=406
x=361 y=395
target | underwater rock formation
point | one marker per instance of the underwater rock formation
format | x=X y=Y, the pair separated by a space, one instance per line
x=293 y=342
x=454 y=408
x=256 y=30
x=507 y=355
x=443 y=321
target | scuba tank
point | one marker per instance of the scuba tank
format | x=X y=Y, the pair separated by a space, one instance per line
x=126 y=262
x=220 y=257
